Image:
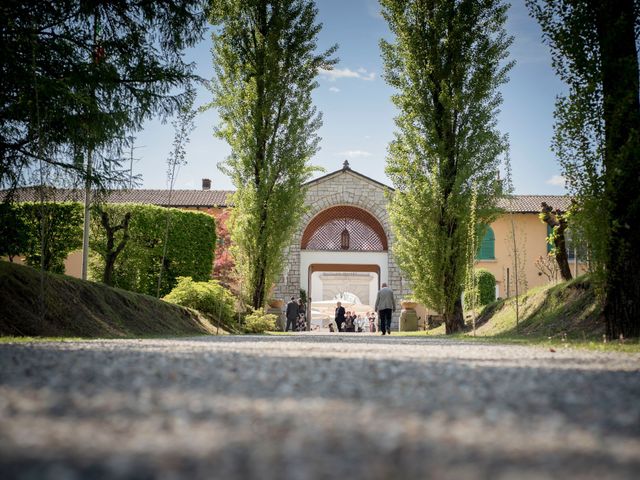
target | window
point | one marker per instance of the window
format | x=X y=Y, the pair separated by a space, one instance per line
x=487 y=246
x=570 y=244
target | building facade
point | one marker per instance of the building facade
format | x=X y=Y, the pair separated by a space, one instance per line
x=343 y=248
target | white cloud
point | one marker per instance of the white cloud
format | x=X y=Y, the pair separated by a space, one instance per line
x=557 y=181
x=334 y=89
x=336 y=73
x=355 y=153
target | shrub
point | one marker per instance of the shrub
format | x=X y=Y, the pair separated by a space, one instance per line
x=209 y=298
x=485 y=291
x=190 y=247
x=259 y=322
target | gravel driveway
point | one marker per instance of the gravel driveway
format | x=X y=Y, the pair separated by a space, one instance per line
x=316 y=406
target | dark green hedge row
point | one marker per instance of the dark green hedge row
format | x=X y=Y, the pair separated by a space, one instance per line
x=190 y=246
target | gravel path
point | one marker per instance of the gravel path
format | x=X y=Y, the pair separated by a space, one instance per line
x=306 y=407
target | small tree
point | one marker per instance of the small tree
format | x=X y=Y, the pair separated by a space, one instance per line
x=183 y=126
x=558 y=222
x=547 y=266
x=12 y=231
x=111 y=250
x=224 y=265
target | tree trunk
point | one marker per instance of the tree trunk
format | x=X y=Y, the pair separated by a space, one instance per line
x=559 y=224
x=258 y=299
x=619 y=66
x=111 y=253
x=454 y=321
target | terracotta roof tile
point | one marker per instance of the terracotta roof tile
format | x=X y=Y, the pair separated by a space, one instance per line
x=179 y=198
x=220 y=198
x=532 y=203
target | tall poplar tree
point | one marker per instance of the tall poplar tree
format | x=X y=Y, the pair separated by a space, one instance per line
x=266 y=62
x=594 y=44
x=447 y=60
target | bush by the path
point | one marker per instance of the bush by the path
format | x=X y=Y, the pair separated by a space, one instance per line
x=209 y=298
x=76 y=308
x=259 y=322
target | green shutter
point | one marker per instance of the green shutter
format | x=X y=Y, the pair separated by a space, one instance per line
x=487 y=246
x=549 y=232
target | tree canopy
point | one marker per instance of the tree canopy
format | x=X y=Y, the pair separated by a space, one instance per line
x=266 y=65
x=594 y=45
x=78 y=73
x=446 y=61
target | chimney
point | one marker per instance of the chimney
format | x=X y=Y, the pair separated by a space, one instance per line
x=206 y=184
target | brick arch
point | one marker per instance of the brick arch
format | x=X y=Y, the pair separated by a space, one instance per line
x=348 y=199
x=322 y=231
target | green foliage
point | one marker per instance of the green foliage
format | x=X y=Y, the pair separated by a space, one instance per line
x=83 y=73
x=266 y=65
x=12 y=231
x=594 y=46
x=45 y=233
x=578 y=140
x=190 y=247
x=446 y=62
x=209 y=298
x=484 y=291
x=259 y=322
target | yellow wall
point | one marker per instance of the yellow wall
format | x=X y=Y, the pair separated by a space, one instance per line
x=531 y=236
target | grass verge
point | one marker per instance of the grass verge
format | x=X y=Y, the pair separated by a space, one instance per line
x=69 y=308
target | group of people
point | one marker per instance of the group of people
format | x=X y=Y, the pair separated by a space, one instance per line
x=350 y=322
x=296 y=315
x=347 y=321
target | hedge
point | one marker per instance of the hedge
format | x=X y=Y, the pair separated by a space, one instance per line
x=485 y=290
x=190 y=246
x=21 y=230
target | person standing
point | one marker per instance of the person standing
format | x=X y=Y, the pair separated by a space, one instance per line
x=292 y=314
x=372 y=322
x=340 y=312
x=385 y=306
x=302 y=316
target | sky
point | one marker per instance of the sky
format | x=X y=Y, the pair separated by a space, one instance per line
x=357 y=110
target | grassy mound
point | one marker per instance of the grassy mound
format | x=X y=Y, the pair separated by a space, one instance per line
x=76 y=308
x=569 y=308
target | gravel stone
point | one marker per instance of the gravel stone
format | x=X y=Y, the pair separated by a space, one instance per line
x=311 y=406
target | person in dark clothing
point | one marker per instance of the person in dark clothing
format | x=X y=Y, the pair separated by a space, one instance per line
x=292 y=314
x=350 y=322
x=302 y=316
x=339 y=316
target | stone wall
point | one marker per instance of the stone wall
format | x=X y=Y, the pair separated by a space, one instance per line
x=343 y=187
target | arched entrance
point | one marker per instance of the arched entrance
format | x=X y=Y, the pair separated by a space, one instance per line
x=344 y=253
